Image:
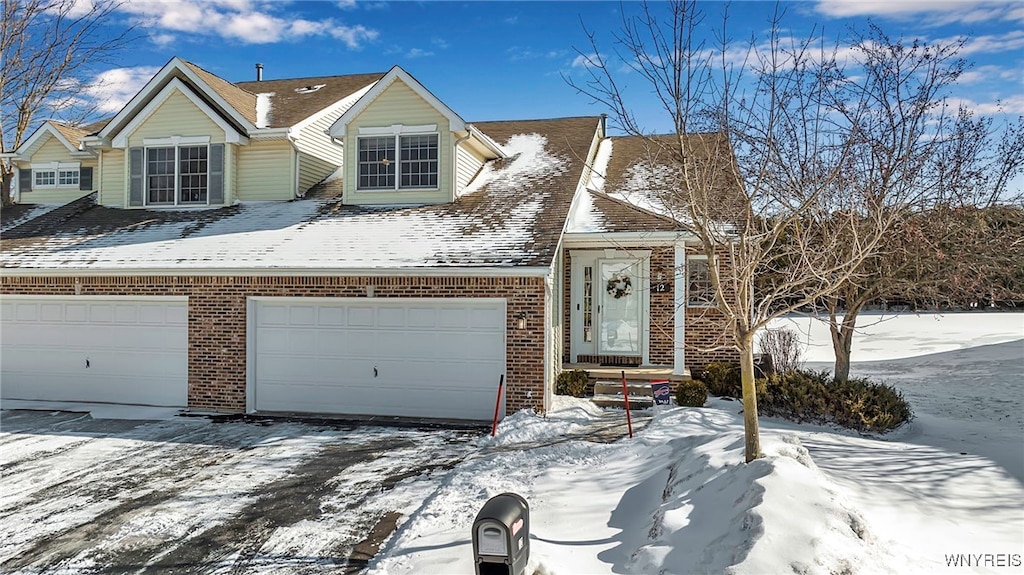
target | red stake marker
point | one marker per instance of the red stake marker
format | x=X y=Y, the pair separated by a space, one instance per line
x=497 y=404
x=625 y=394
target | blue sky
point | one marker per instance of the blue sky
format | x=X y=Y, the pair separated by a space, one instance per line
x=506 y=60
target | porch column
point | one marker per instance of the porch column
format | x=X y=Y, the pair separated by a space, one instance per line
x=679 y=320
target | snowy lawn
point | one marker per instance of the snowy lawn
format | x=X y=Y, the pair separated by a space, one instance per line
x=83 y=495
x=944 y=494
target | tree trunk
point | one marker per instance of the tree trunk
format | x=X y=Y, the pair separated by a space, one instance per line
x=842 y=342
x=6 y=178
x=750 y=427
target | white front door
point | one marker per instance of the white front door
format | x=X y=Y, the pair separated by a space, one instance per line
x=619 y=311
x=609 y=303
x=95 y=349
x=424 y=357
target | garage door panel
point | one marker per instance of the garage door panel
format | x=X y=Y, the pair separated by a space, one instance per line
x=433 y=357
x=331 y=316
x=487 y=319
x=76 y=312
x=52 y=349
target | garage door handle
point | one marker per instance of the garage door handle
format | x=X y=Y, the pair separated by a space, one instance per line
x=375 y=372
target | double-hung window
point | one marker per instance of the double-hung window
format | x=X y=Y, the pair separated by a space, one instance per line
x=400 y=162
x=55 y=175
x=699 y=290
x=44 y=178
x=177 y=175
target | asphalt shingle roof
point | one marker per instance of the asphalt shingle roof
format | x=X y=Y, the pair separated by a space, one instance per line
x=511 y=216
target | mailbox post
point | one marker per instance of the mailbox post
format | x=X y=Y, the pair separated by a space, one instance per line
x=501 y=536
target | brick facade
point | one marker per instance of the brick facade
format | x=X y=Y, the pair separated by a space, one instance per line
x=217 y=336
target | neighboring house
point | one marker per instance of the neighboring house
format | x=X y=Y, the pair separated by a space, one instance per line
x=346 y=245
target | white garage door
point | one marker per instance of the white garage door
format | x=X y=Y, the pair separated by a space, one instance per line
x=94 y=349
x=437 y=358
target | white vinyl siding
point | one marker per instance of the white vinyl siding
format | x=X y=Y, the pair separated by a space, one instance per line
x=399 y=105
x=468 y=165
x=312 y=171
x=177 y=116
x=113 y=179
x=266 y=171
x=47 y=153
x=319 y=155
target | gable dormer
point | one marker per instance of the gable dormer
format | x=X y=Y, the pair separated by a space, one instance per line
x=402 y=145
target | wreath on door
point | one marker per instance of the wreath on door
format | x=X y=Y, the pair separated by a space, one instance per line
x=619 y=285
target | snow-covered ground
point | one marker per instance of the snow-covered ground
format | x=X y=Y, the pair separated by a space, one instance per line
x=102 y=494
x=944 y=494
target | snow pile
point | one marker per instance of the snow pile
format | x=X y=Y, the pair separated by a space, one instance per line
x=676 y=499
x=645 y=186
x=263 y=109
x=528 y=157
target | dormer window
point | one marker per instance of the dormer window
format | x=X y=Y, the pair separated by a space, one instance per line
x=414 y=168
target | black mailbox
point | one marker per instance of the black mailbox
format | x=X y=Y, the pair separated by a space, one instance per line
x=501 y=536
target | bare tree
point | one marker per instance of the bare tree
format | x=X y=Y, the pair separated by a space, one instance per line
x=48 y=51
x=909 y=153
x=751 y=189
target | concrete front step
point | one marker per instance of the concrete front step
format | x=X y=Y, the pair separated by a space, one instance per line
x=635 y=402
x=639 y=388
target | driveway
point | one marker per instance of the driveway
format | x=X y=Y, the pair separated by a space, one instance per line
x=206 y=494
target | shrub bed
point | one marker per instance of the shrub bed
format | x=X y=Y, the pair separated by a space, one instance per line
x=572 y=383
x=815 y=397
x=691 y=393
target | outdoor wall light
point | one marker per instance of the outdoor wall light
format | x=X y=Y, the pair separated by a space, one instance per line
x=78 y=287
x=521 y=320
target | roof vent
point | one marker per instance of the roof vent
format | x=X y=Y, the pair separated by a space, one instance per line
x=259 y=72
x=309 y=89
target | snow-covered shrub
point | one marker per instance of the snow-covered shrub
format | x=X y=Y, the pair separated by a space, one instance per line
x=868 y=406
x=572 y=383
x=722 y=379
x=691 y=393
x=814 y=396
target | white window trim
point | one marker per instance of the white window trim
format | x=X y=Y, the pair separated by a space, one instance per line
x=177 y=171
x=398 y=160
x=703 y=258
x=397 y=129
x=175 y=141
x=56 y=168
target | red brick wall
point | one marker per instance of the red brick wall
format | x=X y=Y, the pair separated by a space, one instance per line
x=217 y=321
x=707 y=335
x=663 y=307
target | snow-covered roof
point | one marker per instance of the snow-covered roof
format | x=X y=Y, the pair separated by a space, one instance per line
x=512 y=218
x=644 y=172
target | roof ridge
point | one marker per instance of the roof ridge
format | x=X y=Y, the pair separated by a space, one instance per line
x=309 y=78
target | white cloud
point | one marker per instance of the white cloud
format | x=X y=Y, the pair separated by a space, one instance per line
x=418 y=53
x=162 y=39
x=586 y=61
x=1013 y=105
x=112 y=89
x=248 y=21
x=927 y=12
x=991 y=43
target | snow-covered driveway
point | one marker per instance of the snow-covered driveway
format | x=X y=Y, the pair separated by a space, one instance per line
x=84 y=495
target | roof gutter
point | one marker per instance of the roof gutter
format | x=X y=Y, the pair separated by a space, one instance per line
x=519 y=272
